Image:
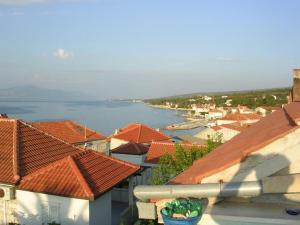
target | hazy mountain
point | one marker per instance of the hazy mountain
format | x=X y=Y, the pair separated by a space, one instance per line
x=34 y=93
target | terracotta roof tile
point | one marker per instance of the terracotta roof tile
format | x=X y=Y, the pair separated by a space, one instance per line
x=68 y=131
x=83 y=175
x=262 y=133
x=158 y=149
x=140 y=133
x=131 y=148
x=40 y=162
x=239 y=117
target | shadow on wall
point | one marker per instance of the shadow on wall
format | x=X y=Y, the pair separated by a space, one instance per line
x=254 y=168
x=40 y=209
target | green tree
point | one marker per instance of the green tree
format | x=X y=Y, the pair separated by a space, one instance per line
x=170 y=165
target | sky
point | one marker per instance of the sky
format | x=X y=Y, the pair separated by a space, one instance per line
x=148 y=48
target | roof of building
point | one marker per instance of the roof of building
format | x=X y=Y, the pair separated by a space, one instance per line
x=158 y=149
x=139 y=133
x=189 y=139
x=239 y=116
x=69 y=131
x=87 y=175
x=131 y=148
x=260 y=134
x=40 y=162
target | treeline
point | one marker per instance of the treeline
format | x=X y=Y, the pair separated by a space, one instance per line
x=252 y=99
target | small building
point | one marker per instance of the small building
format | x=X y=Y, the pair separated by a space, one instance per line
x=261 y=111
x=74 y=133
x=215 y=114
x=225 y=131
x=243 y=119
x=45 y=180
x=138 y=133
x=134 y=153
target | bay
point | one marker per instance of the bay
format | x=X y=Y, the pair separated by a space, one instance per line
x=103 y=116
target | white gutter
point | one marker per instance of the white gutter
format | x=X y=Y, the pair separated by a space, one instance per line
x=252 y=188
x=268 y=185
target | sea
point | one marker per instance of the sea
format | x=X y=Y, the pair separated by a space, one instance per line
x=104 y=116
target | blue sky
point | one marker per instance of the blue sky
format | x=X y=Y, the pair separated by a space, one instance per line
x=148 y=48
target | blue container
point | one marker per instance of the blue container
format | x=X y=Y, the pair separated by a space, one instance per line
x=180 y=221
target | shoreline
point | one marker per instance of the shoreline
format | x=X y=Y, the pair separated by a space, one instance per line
x=189 y=123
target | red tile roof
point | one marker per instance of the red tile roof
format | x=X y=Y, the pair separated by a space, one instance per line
x=42 y=163
x=158 y=149
x=262 y=133
x=239 y=116
x=69 y=131
x=235 y=126
x=131 y=148
x=87 y=175
x=139 y=133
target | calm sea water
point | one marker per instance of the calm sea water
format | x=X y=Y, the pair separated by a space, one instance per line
x=103 y=116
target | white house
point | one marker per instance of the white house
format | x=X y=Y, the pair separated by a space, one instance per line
x=44 y=179
x=226 y=131
x=215 y=114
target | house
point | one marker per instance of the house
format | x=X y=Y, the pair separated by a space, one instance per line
x=244 y=110
x=226 y=131
x=243 y=119
x=138 y=133
x=261 y=111
x=135 y=153
x=189 y=139
x=131 y=152
x=251 y=179
x=215 y=114
x=44 y=179
x=74 y=133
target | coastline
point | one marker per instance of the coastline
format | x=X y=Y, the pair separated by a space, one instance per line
x=189 y=123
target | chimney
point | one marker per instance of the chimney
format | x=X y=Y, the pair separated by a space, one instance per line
x=296 y=86
x=3 y=115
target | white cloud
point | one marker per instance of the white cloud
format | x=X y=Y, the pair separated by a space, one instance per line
x=62 y=54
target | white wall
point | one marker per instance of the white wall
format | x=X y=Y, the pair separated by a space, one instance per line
x=35 y=209
x=135 y=159
x=114 y=143
x=100 y=210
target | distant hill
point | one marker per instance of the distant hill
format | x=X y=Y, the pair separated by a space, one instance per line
x=215 y=93
x=34 y=93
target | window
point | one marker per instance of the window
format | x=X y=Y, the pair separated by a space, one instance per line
x=2 y=193
x=50 y=212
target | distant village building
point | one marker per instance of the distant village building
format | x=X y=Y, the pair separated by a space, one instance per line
x=261 y=111
x=44 y=179
x=225 y=131
x=74 y=133
x=215 y=114
x=243 y=119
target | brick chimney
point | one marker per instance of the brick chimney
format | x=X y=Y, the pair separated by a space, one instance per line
x=296 y=86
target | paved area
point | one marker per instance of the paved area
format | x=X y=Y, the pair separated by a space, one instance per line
x=117 y=209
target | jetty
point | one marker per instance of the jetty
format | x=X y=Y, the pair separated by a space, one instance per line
x=187 y=125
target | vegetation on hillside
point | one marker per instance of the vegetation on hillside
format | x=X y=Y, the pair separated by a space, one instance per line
x=252 y=99
x=170 y=165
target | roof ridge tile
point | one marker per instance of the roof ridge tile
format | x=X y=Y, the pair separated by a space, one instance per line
x=81 y=178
